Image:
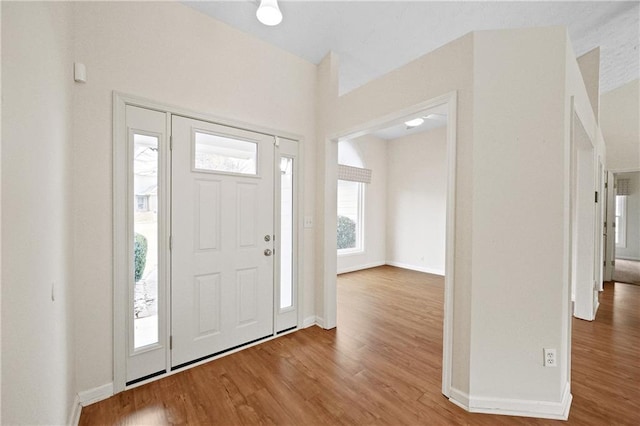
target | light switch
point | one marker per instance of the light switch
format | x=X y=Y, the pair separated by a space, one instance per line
x=308 y=221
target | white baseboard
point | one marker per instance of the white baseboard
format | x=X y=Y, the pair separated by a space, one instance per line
x=309 y=321
x=76 y=410
x=434 y=271
x=360 y=267
x=461 y=399
x=313 y=320
x=515 y=407
x=90 y=396
x=637 y=259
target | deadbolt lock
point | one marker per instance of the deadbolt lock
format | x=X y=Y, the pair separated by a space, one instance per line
x=267 y=237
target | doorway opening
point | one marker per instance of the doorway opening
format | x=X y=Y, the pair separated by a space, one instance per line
x=585 y=210
x=626 y=222
x=437 y=110
x=392 y=195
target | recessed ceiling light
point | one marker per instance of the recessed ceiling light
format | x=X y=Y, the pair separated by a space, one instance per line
x=414 y=123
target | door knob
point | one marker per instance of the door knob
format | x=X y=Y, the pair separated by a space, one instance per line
x=267 y=252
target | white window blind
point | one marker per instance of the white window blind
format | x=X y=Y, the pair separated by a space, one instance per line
x=623 y=187
x=354 y=174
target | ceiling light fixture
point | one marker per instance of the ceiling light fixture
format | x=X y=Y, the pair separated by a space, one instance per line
x=436 y=116
x=269 y=13
x=414 y=123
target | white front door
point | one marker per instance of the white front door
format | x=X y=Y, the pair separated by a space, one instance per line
x=222 y=237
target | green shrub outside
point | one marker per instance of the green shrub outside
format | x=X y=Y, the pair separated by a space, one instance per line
x=140 y=255
x=346 y=233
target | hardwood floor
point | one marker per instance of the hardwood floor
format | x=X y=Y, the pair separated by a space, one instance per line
x=381 y=365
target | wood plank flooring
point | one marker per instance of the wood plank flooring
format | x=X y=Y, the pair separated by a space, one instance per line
x=382 y=365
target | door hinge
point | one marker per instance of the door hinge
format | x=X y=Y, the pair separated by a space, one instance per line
x=170 y=143
x=170 y=242
x=613 y=263
x=276 y=141
x=596 y=196
x=605 y=224
x=604 y=263
x=606 y=185
x=170 y=342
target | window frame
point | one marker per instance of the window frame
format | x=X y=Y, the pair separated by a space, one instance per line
x=194 y=150
x=360 y=234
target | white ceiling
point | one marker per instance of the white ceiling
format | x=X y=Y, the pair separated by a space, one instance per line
x=398 y=129
x=373 y=38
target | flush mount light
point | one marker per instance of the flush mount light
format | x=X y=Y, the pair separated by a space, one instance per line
x=269 y=13
x=414 y=123
x=438 y=117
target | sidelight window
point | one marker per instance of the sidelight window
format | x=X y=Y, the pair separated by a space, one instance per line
x=145 y=244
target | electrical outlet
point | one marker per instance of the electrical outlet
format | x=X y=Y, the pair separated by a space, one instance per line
x=550 y=358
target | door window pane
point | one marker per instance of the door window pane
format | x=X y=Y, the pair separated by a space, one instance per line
x=145 y=245
x=349 y=216
x=225 y=154
x=286 y=233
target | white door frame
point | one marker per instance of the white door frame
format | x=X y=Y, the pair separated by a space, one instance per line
x=611 y=208
x=600 y=215
x=286 y=148
x=329 y=255
x=609 y=230
x=121 y=217
x=584 y=160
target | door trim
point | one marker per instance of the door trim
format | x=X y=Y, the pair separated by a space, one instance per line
x=120 y=219
x=328 y=256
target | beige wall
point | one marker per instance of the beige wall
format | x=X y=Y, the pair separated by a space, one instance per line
x=438 y=73
x=417 y=201
x=620 y=123
x=513 y=115
x=0 y=217
x=171 y=54
x=38 y=371
x=589 y=64
x=326 y=172
x=514 y=90
x=518 y=214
